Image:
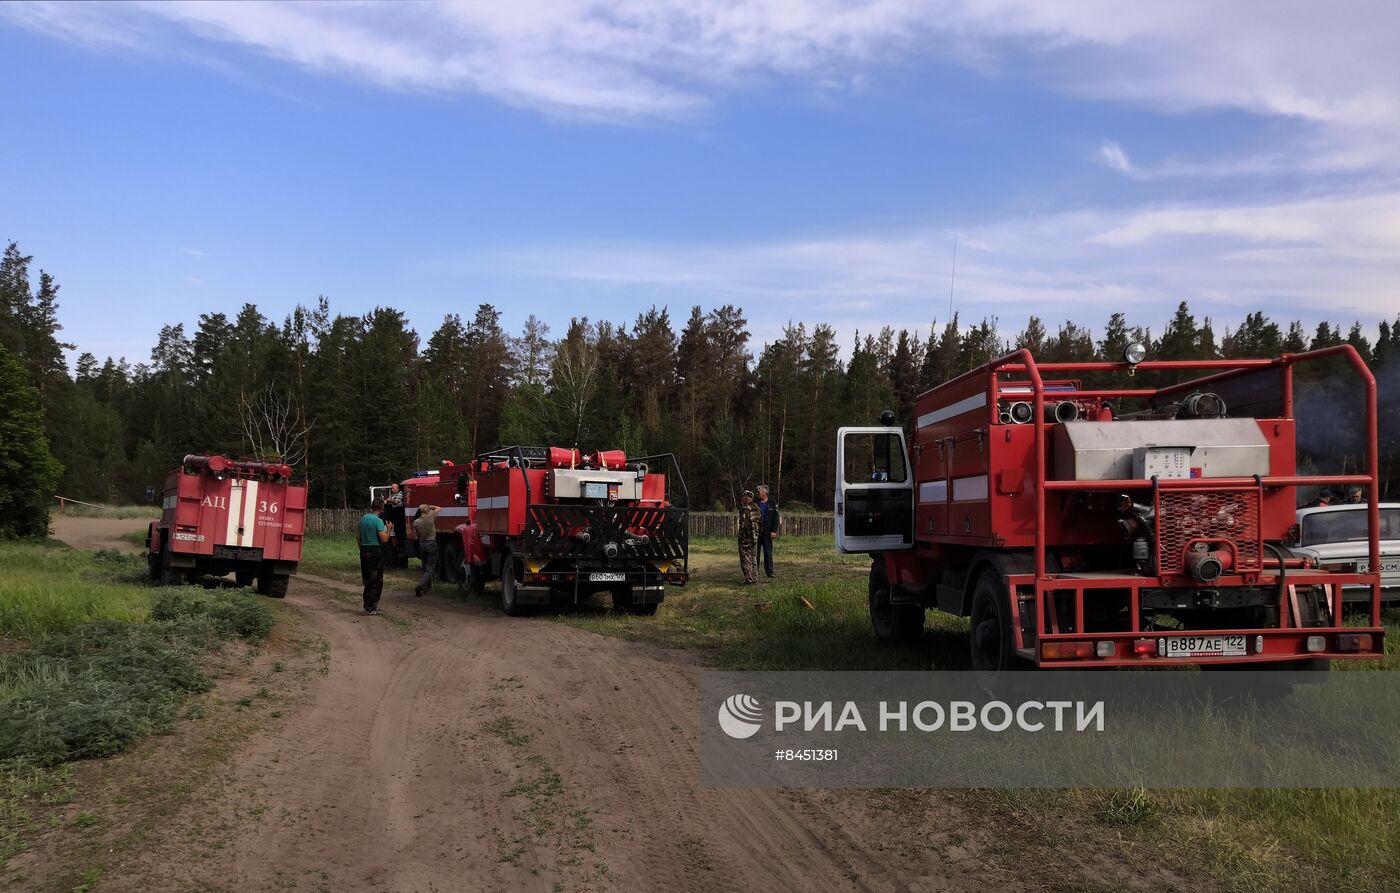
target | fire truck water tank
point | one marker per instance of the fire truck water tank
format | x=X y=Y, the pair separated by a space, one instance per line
x=1101 y=451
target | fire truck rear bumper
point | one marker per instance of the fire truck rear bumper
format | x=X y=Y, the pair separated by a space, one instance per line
x=1261 y=646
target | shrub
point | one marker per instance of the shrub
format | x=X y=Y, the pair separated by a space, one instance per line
x=97 y=688
x=233 y=614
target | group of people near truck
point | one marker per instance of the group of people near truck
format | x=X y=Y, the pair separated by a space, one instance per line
x=374 y=536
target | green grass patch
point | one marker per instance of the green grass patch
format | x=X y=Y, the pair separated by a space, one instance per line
x=331 y=554
x=95 y=689
x=810 y=616
x=47 y=588
x=94 y=659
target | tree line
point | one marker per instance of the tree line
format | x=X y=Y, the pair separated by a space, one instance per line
x=358 y=400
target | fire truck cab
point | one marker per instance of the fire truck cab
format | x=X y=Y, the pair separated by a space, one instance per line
x=1074 y=532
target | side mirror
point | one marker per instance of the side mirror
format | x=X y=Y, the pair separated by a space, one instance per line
x=1290 y=538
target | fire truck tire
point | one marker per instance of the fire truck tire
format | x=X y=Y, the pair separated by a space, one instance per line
x=153 y=565
x=450 y=569
x=472 y=580
x=244 y=578
x=989 y=633
x=273 y=585
x=893 y=623
x=169 y=575
x=509 y=604
x=624 y=602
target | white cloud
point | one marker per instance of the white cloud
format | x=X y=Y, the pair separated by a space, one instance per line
x=193 y=252
x=195 y=281
x=1112 y=156
x=1333 y=258
x=1333 y=65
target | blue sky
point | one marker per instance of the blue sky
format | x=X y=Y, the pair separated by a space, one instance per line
x=808 y=161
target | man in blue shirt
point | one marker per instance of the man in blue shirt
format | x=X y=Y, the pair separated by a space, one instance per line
x=373 y=535
x=767 y=528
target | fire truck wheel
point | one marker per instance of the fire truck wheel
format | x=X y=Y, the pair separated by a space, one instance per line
x=153 y=565
x=893 y=623
x=993 y=648
x=273 y=585
x=169 y=576
x=472 y=579
x=449 y=567
x=509 y=604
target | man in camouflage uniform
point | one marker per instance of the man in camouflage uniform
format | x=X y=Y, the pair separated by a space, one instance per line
x=750 y=523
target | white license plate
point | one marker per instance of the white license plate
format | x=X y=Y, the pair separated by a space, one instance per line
x=607 y=578
x=1388 y=566
x=1203 y=646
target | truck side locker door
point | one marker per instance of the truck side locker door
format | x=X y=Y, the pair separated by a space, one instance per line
x=874 y=491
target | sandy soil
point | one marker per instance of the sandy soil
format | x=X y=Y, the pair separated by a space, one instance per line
x=459 y=749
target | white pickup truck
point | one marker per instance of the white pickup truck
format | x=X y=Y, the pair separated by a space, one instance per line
x=1336 y=535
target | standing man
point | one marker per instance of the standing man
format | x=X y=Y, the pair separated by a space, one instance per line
x=767 y=528
x=750 y=522
x=373 y=535
x=425 y=529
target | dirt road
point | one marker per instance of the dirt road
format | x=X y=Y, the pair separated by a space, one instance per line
x=459 y=749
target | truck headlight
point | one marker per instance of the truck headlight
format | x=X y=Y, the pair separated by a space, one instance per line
x=1135 y=352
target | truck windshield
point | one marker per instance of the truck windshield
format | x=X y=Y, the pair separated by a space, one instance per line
x=1347 y=526
x=874 y=457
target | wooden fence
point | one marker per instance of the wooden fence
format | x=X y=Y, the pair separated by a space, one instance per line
x=701 y=523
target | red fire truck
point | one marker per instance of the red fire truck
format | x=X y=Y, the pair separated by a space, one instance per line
x=553 y=524
x=225 y=516
x=1077 y=530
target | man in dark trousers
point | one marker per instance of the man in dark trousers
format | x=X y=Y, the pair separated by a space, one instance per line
x=767 y=527
x=373 y=534
x=425 y=530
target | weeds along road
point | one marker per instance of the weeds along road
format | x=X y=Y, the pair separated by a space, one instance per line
x=448 y=747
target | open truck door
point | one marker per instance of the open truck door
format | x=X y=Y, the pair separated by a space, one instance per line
x=874 y=491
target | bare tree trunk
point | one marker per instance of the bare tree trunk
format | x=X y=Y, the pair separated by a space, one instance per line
x=782 y=436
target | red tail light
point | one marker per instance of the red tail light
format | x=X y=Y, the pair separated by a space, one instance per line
x=1355 y=642
x=1066 y=650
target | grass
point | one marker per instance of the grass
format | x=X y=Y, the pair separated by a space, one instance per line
x=47 y=588
x=93 y=660
x=94 y=689
x=331 y=554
